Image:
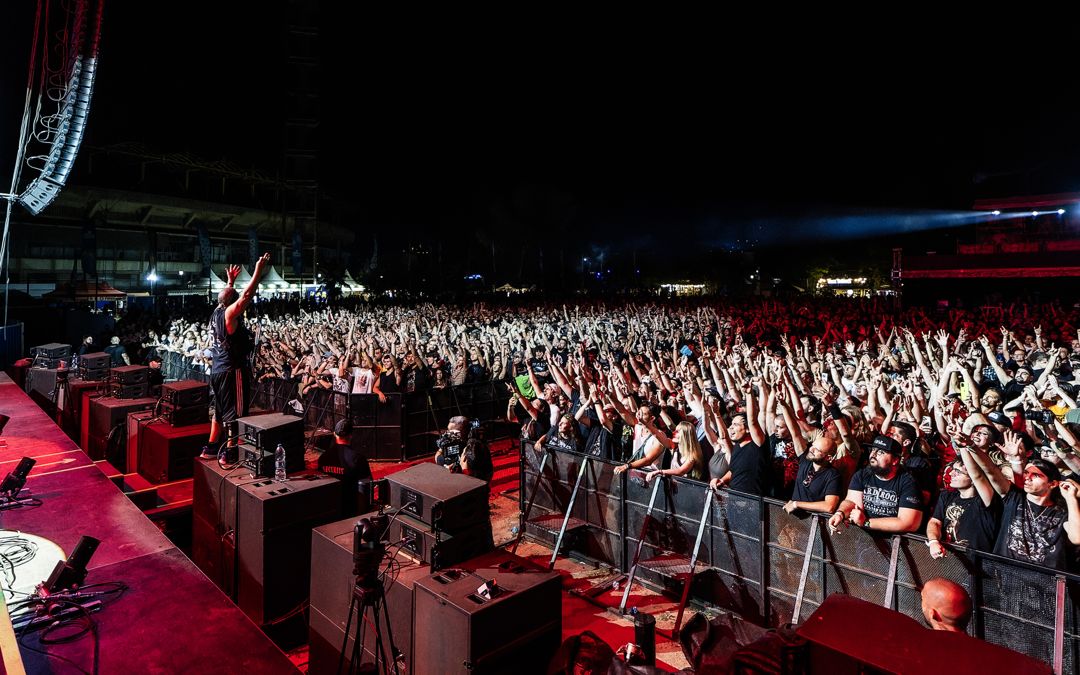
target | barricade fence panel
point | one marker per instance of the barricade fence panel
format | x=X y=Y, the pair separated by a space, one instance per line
x=749 y=540
x=411 y=422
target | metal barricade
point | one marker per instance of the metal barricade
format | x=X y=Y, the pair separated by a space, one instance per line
x=763 y=561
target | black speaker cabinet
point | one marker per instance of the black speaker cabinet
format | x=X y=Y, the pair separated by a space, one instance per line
x=105 y=414
x=438 y=549
x=442 y=500
x=331 y=593
x=214 y=510
x=186 y=393
x=273 y=544
x=378 y=442
x=129 y=374
x=266 y=431
x=41 y=384
x=457 y=629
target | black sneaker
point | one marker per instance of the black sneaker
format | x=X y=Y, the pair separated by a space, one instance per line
x=207 y=453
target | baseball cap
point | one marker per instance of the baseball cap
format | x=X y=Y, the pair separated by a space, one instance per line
x=998 y=417
x=887 y=444
x=343 y=427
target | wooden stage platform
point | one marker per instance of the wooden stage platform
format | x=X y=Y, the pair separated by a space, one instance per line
x=172 y=619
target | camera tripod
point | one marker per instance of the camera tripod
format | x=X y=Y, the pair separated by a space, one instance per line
x=368 y=594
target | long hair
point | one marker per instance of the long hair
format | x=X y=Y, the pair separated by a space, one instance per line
x=689 y=448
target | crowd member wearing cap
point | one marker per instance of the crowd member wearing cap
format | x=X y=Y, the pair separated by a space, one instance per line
x=968 y=514
x=884 y=496
x=1033 y=527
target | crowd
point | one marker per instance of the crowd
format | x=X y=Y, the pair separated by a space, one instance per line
x=959 y=423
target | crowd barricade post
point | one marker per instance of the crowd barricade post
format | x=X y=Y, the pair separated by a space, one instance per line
x=763 y=560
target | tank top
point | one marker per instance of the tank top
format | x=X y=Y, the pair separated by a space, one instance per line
x=229 y=351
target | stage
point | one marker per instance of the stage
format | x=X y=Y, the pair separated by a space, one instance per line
x=171 y=619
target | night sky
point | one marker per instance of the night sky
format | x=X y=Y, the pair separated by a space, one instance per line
x=429 y=127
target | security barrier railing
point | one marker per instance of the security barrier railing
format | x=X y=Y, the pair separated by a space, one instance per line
x=763 y=562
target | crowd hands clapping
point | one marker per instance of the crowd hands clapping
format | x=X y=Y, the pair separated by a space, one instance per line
x=949 y=423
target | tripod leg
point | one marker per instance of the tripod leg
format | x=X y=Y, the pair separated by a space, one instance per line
x=390 y=636
x=380 y=651
x=345 y=642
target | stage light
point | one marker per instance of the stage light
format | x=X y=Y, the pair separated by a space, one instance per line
x=996 y=213
x=1061 y=212
x=181 y=272
x=152 y=277
x=1034 y=213
x=70 y=573
x=13 y=483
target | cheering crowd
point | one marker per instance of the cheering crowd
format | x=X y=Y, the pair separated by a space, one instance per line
x=961 y=424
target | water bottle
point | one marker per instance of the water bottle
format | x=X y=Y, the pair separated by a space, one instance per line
x=279 y=464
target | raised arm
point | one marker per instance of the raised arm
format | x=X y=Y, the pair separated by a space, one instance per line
x=237 y=308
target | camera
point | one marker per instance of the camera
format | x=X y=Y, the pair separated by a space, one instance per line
x=1042 y=416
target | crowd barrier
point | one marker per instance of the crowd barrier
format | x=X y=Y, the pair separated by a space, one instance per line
x=176 y=366
x=403 y=427
x=762 y=562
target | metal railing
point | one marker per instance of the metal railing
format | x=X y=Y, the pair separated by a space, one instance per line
x=765 y=562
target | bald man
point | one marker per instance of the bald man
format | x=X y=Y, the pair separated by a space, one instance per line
x=818 y=486
x=946 y=605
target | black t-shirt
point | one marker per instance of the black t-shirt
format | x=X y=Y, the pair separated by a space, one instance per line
x=554 y=441
x=967 y=522
x=414 y=379
x=1031 y=532
x=750 y=468
x=603 y=443
x=784 y=466
x=350 y=467
x=814 y=485
x=885 y=498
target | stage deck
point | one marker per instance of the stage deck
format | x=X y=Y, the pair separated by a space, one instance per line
x=172 y=619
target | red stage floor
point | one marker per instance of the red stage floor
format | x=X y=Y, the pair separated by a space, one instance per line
x=172 y=619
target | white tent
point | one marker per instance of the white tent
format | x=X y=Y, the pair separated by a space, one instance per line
x=244 y=277
x=273 y=280
x=350 y=284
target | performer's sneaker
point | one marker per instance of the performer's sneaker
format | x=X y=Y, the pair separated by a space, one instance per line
x=207 y=453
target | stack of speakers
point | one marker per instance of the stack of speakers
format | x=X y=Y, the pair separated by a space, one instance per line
x=185 y=402
x=259 y=436
x=126 y=382
x=94 y=367
x=50 y=355
x=442 y=517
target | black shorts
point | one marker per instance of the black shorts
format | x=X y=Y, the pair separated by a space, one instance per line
x=232 y=394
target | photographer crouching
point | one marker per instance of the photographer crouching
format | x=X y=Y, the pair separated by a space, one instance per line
x=462 y=450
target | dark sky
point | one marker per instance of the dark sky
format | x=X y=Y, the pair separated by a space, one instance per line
x=430 y=126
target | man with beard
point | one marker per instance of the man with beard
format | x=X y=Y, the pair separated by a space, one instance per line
x=883 y=497
x=649 y=443
x=817 y=485
x=967 y=516
x=1033 y=528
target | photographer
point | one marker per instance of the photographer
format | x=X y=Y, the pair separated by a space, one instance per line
x=461 y=450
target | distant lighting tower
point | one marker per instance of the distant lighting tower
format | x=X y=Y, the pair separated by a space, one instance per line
x=1034 y=213
x=1061 y=212
x=152 y=277
x=996 y=213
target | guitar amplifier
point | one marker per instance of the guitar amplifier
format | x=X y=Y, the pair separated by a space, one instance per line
x=129 y=391
x=184 y=416
x=437 y=549
x=261 y=462
x=95 y=362
x=449 y=502
x=93 y=374
x=266 y=431
x=515 y=628
x=186 y=393
x=130 y=374
x=53 y=350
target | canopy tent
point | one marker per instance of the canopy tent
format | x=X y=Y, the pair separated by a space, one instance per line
x=85 y=290
x=213 y=281
x=273 y=280
x=243 y=278
x=350 y=284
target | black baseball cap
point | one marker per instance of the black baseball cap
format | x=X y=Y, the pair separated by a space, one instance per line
x=887 y=444
x=343 y=427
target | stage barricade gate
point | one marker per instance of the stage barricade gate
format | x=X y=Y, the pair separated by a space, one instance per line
x=757 y=554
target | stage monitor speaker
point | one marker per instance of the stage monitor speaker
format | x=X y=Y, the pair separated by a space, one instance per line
x=378 y=442
x=849 y=636
x=95 y=362
x=273 y=545
x=129 y=374
x=168 y=453
x=53 y=350
x=264 y=432
x=438 y=549
x=213 y=505
x=104 y=415
x=459 y=628
x=41 y=384
x=186 y=393
x=450 y=502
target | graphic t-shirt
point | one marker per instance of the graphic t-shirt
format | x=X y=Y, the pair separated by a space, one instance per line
x=885 y=498
x=967 y=522
x=1032 y=532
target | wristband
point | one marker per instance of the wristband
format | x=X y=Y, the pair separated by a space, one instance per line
x=835 y=411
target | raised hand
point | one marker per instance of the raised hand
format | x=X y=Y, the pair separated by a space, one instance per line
x=232 y=272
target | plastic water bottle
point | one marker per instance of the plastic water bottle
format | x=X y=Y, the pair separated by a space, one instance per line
x=279 y=464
